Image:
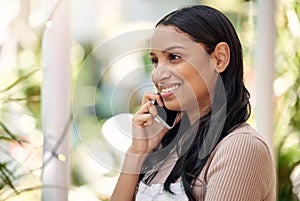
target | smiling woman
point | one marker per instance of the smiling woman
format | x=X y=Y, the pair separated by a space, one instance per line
x=211 y=153
x=179 y=76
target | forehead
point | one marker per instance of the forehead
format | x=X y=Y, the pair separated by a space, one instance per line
x=165 y=37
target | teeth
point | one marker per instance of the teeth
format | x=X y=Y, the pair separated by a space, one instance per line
x=169 y=89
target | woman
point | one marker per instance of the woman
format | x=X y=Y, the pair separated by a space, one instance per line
x=211 y=153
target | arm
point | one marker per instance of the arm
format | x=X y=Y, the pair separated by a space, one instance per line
x=141 y=146
x=242 y=169
x=126 y=185
x=147 y=134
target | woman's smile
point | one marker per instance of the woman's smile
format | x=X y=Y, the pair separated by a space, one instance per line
x=169 y=89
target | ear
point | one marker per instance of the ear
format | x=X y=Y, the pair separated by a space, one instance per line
x=221 y=56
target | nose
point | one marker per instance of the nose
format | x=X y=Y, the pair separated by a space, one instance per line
x=160 y=74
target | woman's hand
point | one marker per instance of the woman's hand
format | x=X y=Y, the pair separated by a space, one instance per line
x=147 y=133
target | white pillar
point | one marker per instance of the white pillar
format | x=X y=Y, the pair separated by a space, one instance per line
x=264 y=68
x=56 y=101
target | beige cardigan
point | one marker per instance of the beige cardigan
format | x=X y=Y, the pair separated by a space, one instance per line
x=241 y=168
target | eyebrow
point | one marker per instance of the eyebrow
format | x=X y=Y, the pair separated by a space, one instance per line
x=172 y=48
x=168 y=49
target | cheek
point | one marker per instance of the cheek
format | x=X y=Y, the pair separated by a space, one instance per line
x=206 y=77
x=201 y=73
x=198 y=85
x=193 y=78
x=153 y=76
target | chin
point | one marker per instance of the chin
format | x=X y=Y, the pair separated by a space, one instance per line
x=172 y=105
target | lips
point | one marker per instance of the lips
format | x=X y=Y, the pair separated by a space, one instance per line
x=168 y=90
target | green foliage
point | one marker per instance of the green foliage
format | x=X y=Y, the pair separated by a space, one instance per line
x=7 y=135
x=288 y=159
x=8 y=167
x=288 y=100
x=7 y=176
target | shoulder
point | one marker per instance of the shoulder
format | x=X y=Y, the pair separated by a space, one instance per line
x=243 y=162
x=242 y=145
x=244 y=138
x=244 y=131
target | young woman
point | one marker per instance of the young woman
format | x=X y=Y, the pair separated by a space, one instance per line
x=211 y=153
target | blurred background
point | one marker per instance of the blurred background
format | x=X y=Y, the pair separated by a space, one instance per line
x=106 y=83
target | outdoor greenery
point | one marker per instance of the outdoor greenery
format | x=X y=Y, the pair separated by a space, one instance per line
x=288 y=98
x=24 y=89
x=12 y=171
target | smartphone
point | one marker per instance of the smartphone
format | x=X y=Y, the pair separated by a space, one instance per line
x=165 y=116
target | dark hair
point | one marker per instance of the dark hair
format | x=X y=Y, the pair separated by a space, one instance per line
x=209 y=26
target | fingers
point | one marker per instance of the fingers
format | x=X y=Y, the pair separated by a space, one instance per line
x=142 y=120
x=145 y=127
x=144 y=116
x=147 y=108
x=147 y=133
x=151 y=96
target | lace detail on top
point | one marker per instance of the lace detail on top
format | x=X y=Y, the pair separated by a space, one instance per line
x=156 y=192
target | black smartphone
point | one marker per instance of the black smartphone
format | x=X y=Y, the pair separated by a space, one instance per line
x=165 y=116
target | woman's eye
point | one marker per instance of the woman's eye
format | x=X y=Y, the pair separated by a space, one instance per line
x=173 y=56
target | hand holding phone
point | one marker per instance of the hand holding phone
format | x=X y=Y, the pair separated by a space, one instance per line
x=165 y=116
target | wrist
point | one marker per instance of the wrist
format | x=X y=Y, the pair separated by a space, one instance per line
x=137 y=151
x=133 y=162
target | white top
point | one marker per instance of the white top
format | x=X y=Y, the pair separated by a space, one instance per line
x=156 y=192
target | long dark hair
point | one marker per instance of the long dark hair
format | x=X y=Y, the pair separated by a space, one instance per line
x=209 y=26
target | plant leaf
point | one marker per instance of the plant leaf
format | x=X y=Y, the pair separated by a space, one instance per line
x=20 y=79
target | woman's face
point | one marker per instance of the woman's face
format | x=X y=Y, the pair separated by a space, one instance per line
x=183 y=72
